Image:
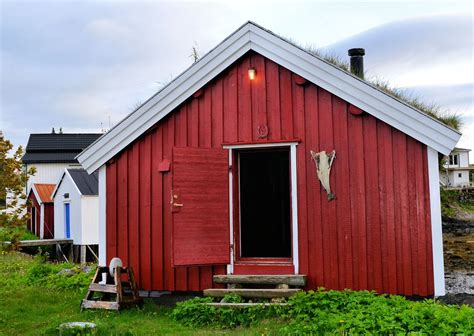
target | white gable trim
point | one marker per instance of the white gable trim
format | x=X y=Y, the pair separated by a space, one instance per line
x=252 y=37
x=38 y=199
x=61 y=180
x=58 y=184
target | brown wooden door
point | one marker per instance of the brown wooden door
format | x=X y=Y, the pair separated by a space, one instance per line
x=200 y=206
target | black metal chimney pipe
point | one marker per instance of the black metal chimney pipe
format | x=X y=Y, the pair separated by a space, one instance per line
x=357 y=61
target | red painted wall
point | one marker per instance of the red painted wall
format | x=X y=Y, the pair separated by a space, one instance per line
x=375 y=235
x=48 y=217
x=48 y=221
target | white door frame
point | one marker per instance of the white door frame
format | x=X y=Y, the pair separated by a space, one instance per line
x=294 y=197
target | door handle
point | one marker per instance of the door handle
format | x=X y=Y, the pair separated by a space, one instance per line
x=178 y=205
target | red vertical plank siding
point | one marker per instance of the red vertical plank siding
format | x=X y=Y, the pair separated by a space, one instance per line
x=193 y=124
x=420 y=266
x=245 y=101
x=231 y=126
x=377 y=233
x=315 y=234
x=168 y=144
x=205 y=113
x=358 y=200
x=374 y=279
x=259 y=106
x=342 y=176
x=145 y=213
x=122 y=213
x=328 y=208
x=387 y=207
x=133 y=213
x=413 y=211
x=217 y=116
x=273 y=100
x=397 y=176
x=286 y=104
x=157 y=203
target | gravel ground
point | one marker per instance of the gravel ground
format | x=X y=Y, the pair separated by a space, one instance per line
x=458 y=239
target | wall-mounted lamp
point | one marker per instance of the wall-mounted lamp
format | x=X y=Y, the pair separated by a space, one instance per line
x=252 y=73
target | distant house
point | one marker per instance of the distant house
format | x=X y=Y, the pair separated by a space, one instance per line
x=76 y=208
x=456 y=172
x=50 y=153
x=41 y=210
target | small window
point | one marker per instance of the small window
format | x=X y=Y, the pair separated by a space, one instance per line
x=453 y=159
x=459 y=174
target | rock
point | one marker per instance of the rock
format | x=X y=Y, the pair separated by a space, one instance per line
x=66 y=271
x=458 y=299
x=86 y=268
x=77 y=328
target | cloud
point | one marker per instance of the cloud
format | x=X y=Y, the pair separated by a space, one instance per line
x=77 y=64
x=417 y=51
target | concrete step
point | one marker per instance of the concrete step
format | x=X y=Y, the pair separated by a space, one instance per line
x=290 y=280
x=252 y=293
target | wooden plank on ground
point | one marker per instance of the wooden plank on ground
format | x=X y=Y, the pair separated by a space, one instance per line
x=88 y=304
x=251 y=293
x=96 y=287
x=291 y=280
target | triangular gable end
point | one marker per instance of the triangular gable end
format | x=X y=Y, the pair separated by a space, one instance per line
x=250 y=36
x=63 y=175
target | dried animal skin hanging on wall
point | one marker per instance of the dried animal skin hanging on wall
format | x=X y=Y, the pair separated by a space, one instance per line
x=323 y=163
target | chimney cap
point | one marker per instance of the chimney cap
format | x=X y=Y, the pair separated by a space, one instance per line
x=356 y=52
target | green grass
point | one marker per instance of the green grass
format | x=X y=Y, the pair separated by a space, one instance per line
x=452 y=203
x=35 y=300
x=28 y=307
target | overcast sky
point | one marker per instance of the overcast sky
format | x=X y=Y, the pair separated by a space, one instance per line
x=82 y=65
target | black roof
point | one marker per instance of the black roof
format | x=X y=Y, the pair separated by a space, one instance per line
x=57 y=147
x=87 y=184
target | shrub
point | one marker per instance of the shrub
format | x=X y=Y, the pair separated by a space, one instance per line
x=349 y=312
x=336 y=312
x=58 y=276
x=196 y=313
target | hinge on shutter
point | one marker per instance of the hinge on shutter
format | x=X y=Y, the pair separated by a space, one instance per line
x=230 y=168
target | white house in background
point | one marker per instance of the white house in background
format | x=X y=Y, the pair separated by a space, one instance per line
x=76 y=209
x=50 y=153
x=456 y=171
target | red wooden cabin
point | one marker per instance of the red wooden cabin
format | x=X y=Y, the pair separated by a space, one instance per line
x=41 y=210
x=214 y=175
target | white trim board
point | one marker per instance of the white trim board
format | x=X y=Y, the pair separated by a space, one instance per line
x=102 y=216
x=294 y=198
x=436 y=226
x=253 y=37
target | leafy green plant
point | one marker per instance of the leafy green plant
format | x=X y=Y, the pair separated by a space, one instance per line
x=336 y=313
x=196 y=313
x=58 y=276
x=350 y=312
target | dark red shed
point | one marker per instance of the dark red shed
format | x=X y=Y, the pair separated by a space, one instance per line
x=41 y=210
x=215 y=174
